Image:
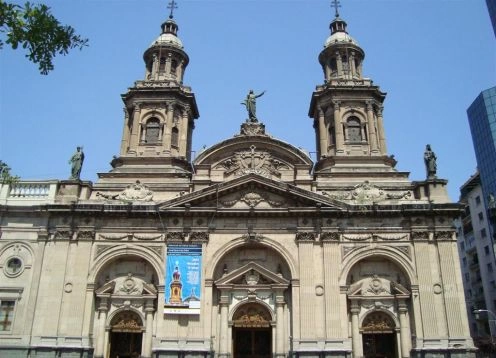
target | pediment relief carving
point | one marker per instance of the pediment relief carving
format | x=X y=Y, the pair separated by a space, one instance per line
x=252 y=197
x=252 y=274
x=127 y=286
x=367 y=193
x=133 y=192
x=377 y=286
x=253 y=161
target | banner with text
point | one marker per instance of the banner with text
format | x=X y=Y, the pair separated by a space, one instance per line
x=183 y=279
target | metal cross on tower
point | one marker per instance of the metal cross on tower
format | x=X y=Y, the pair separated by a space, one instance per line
x=336 y=4
x=172 y=5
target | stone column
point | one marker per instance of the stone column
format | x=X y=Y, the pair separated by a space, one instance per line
x=404 y=330
x=355 y=330
x=148 y=336
x=168 y=127
x=102 y=320
x=224 y=322
x=155 y=66
x=279 y=325
x=135 y=130
x=180 y=71
x=183 y=133
x=352 y=64
x=168 y=65
x=382 y=136
x=339 y=64
x=125 y=132
x=371 y=124
x=338 y=127
x=324 y=143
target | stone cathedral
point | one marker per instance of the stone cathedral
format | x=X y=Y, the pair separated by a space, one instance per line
x=249 y=250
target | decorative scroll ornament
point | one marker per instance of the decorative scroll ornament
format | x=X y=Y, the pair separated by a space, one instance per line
x=443 y=235
x=401 y=195
x=62 y=235
x=175 y=236
x=251 y=128
x=199 y=236
x=252 y=198
x=420 y=235
x=86 y=235
x=133 y=192
x=252 y=161
x=364 y=193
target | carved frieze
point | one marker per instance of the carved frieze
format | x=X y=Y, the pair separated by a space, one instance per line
x=253 y=161
x=443 y=235
x=148 y=237
x=329 y=236
x=390 y=237
x=199 y=236
x=357 y=237
x=378 y=322
x=348 y=249
x=86 y=235
x=133 y=192
x=116 y=237
x=305 y=236
x=62 y=235
x=400 y=195
x=175 y=236
x=420 y=235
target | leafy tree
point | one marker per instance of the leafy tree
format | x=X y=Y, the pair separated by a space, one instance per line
x=5 y=176
x=33 y=27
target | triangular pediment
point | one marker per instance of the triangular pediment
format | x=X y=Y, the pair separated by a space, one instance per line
x=253 y=192
x=252 y=274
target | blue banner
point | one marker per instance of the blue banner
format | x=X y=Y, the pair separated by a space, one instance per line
x=183 y=279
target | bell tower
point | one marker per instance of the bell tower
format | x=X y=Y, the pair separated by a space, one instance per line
x=159 y=115
x=347 y=109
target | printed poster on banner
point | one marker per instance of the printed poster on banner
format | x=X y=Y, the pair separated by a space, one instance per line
x=183 y=279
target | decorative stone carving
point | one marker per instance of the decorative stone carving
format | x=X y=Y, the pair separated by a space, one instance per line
x=420 y=235
x=148 y=237
x=376 y=286
x=158 y=249
x=253 y=161
x=127 y=322
x=175 y=236
x=250 y=128
x=63 y=235
x=133 y=192
x=130 y=286
x=349 y=249
x=364 y=193
x=251 y=316
x=252 y=198
x=252 y=277
x=378 y=322
x=443 y=235
x=252 y=237
x=101 y=248
x=305 y=236
x=199 y=236
x=401 y=195
x=357 y=237
x=114 y=236
x=390 y=237
x=403 y=249
x=86 y=235
x=329 y=236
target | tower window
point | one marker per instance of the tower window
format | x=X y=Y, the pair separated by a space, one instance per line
x=354 y=130
x=175 y=137
x=161 y=68
x=334 y=67
x=173 y=67
x=152 y=129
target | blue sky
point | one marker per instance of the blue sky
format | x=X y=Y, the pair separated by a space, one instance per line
x=432 y=57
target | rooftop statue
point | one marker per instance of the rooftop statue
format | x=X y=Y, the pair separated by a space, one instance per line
x=76 y=163
x=430 y=161
x=251 y=105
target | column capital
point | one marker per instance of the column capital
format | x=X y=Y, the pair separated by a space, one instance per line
x=369 y=105
x=336 y=104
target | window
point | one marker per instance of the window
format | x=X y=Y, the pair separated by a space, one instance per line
x=489 y=267
x=477 y=200
x=161 y=67
x=173 y=67
x=483 y=233
x=152 y=131
x=464 y=260
x=6 y=315
x=486 y=250
x=467 y=276
x=354 y=130
x=175 y=137
x=481 y=216
x=462 y=246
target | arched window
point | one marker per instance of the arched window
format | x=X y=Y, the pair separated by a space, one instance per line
x=152 y=131
x=334 y=67
x=175 y=137
x=173 y=67
x=354 y=130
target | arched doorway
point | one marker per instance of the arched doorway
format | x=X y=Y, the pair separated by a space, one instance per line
x=252 y=332
x=379 y=338
x=126 y=335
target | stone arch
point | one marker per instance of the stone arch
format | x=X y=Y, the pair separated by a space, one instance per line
x=152 y=114
x=122 y=251
x=240 y=242
x=240 y=305
x=366 y=253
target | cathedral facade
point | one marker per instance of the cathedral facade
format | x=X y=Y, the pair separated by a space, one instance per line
x=249 y=250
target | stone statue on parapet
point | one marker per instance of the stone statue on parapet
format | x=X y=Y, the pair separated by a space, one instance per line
x=430 y=161
x=76 y=163
x=491 y=201
x=251 y=105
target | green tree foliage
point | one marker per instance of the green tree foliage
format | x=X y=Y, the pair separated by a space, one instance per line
x=5 y=176
x=35 y=29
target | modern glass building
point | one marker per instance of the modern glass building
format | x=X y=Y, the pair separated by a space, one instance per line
x=482 y=119
x=491 y=7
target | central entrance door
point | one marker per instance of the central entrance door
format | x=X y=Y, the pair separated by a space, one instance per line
x=252 y=332
x=378 y=336
x=126 y=336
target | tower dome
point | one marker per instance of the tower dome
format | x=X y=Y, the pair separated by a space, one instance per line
x=342 y=56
